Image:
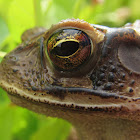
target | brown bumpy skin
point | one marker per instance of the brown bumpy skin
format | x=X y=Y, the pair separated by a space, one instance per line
x=101 y=97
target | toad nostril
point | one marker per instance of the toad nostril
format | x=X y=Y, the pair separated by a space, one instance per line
x=12 y=58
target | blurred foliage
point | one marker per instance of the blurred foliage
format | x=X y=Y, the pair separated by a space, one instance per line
x=15 y=17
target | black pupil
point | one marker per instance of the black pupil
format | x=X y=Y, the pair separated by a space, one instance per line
x=66 y=48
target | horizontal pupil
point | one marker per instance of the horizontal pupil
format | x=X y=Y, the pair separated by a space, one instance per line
x=66 y=48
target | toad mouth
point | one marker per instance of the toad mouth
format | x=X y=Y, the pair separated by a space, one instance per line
x=58 y=96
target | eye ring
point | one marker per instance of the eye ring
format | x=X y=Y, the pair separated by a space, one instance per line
x=69 y=48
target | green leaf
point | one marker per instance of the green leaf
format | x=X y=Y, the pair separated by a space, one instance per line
x=2 y=54
x=3 y=97
x=26 y=123
x=6 y=122
x=20 y=17
x=3 y=31
x=52 y=129
x=58 y=10
x=4 y=9
x=135 y=10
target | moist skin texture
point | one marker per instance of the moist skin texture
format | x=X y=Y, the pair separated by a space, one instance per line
x=101 y=97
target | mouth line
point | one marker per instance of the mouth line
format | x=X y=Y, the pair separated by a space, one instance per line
x=78 y=90
x=70 y=97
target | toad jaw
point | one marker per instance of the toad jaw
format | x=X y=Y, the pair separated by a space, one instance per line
x=91 y=107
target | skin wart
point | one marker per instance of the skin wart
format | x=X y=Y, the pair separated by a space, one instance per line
x=98 y=92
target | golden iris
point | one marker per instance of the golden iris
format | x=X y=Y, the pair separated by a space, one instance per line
x=68 y=48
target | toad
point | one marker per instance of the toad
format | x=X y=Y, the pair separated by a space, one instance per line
x=85 y=73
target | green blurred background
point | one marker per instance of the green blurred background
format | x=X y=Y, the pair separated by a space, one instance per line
x=16 y=16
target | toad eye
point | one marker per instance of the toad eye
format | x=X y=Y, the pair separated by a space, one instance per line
x=69 y=48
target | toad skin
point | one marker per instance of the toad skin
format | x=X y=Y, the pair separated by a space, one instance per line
x=84 y=73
